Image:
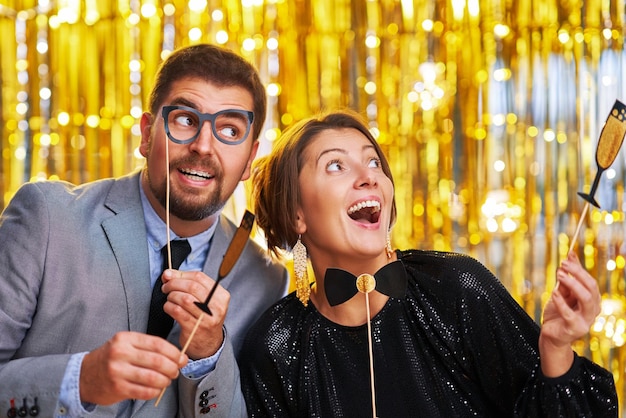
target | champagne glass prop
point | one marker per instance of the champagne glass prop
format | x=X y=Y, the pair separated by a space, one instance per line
x=609 y=144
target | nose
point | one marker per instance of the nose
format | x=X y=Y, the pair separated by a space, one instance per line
x=204 y=143
x=366 y=178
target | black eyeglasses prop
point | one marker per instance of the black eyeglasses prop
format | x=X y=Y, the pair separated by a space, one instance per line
x=229 y=126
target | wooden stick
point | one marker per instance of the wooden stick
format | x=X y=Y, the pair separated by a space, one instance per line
x=183 y=351
x=580 y=222
x=575 y=237
x=167 y=222
x=167 y=201
x=369 y=339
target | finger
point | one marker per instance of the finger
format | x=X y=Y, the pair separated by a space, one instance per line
x=157 y=354
x=182 y=307
x=562 y=307
x=125 y=367
x=171 y=274
x=218 y=305
x=146 y=375
x=151 y=343
x=184 y=290
x=207 y=329
x=194 y=287
x=571 y=326
x=578 y=295
x=572 y=266
x=195 y=283
x=150 y=366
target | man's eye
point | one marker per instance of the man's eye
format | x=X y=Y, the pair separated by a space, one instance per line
x=185 y=120
x=229 y=132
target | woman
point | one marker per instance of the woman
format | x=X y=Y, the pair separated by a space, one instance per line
x=448 y=339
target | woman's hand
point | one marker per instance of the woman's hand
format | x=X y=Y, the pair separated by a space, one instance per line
x=568 y=315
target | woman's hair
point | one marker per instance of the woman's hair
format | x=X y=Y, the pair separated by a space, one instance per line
x=213 y=64
x=275 y=177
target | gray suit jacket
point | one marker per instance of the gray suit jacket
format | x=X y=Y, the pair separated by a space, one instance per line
x=74 y=271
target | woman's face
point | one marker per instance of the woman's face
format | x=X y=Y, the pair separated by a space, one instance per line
x=346 y=197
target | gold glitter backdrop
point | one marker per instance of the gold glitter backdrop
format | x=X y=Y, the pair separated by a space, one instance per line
x=490 y=112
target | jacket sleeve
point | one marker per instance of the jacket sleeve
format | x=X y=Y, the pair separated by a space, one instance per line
x=218 y=393
x=24 y=229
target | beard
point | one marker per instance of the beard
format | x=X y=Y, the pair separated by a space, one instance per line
x=190 y=206
x=190 y=209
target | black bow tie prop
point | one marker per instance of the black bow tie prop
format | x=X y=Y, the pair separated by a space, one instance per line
x=340 y=285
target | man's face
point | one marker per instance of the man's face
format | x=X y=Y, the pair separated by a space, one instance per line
x=205 y=172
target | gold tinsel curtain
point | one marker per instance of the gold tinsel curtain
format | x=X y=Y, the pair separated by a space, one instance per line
x=489 y=111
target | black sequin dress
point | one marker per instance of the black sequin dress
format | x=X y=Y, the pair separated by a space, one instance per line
x=458 y=345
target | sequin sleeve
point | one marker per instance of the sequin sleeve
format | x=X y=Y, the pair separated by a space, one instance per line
x=264 y=367
x=585 y=391
x=489 y=338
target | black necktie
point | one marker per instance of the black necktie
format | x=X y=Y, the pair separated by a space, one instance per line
x=160 y=323
x=341 y=285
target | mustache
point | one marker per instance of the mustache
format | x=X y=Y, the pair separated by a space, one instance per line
x=201 y=164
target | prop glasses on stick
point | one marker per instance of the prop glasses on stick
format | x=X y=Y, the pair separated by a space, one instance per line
x=230 y=257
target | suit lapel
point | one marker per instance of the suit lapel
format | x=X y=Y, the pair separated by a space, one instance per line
x=126 y=232
x=127 y=236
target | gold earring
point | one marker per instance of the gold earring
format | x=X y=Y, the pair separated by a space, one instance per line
x=303 y=288
x=388 y=248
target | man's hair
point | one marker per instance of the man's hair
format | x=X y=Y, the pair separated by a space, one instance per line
x=216 y=65
x=275 y=177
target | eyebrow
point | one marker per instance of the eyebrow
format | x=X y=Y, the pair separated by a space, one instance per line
x=342 y=151
x=184 y=102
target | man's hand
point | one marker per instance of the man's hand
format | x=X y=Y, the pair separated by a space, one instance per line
x=183 y=288
x=130 y=365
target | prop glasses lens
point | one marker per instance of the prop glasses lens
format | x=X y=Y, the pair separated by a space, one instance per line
x=229 y=126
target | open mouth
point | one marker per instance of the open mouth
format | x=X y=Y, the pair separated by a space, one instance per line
x=367 y=211
x=195 y=174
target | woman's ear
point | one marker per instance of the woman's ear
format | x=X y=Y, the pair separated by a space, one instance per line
x=300 y=223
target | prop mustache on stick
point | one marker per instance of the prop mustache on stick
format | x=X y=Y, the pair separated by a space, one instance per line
x=609 y=144
x=230 y=258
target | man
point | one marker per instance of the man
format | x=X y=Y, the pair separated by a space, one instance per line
x=78 y=263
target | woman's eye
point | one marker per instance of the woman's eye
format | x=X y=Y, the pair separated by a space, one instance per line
x=374 y=163
x=333 y=166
